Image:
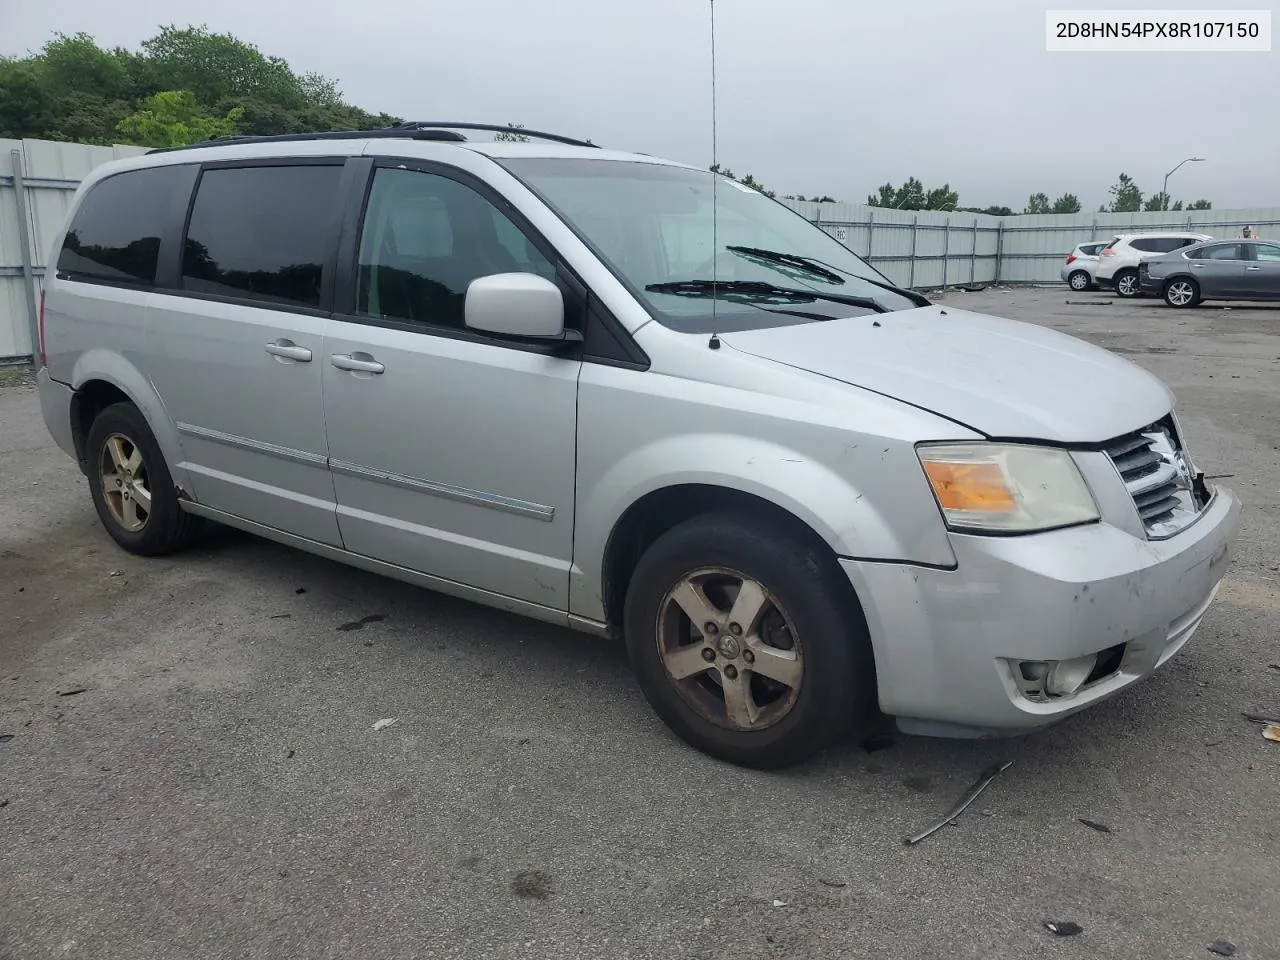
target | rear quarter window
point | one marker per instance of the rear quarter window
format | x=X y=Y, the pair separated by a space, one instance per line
x=116 y=231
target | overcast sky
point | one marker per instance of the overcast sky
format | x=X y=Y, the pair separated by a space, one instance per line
x=815 y=96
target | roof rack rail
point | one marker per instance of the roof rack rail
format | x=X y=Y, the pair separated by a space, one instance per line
x=428 y=125
x=381 y=133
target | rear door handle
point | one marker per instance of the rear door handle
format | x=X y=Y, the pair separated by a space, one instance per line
x=1251 y=269
x=286 y=349
x=356 y=362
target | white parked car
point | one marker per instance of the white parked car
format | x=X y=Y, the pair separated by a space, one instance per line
x=1118 y=261
x=1077 y=272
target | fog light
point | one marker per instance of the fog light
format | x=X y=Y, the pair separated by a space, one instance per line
x=1067 y=676
x=1033 y=670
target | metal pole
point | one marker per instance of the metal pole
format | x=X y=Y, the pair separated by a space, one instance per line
x=871 y=227
x=999 y=251
x=946 y=251
x=24 y=240
x=973 y=254
x=911 y=274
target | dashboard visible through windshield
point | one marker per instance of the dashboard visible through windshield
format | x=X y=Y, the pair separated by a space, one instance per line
x=652 y=225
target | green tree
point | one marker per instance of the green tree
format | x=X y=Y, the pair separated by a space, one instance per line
x=912 y=195
x=1157 y=201
x=512 y=135
x=1038 y=203
x=1200 y=205
x=1177 y=206
x=72 y=89
x=173 y=118
x=1067 y=203
x=1126 y=197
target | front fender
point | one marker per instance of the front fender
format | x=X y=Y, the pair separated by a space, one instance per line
x=854 y=519
x=115 y=369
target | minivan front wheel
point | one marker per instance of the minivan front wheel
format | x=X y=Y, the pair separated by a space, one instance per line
x=745 y=641
x=131 y=485
x=1127 y=283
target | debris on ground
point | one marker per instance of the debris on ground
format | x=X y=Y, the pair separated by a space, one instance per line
x=1259 y=718
x=383 y=724
x=1223 y=948
x=1063 y=928
x=832 y=883
x=970 y=796
x=533 y=884
x=1088 y=303
x=1272 y=732
x=1094 y=825
x=779 y=903
x=74 y=691
x=5 y=737
x=282 y=616
x=362 y=622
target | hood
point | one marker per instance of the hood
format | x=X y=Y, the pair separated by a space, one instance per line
x=1000 y=377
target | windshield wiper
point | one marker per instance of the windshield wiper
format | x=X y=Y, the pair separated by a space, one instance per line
x=754 y=289
x=820 y=268
x=790 y=259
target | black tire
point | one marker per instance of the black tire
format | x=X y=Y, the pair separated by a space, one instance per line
x=1127 y=279
x=1078 y=280
x=166 y=528
x=835 y=692
x=1182 y=292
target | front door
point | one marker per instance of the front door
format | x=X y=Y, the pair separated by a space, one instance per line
x=237 y=352
x=1219 y=269
x=1262 y=273
x=452 y=453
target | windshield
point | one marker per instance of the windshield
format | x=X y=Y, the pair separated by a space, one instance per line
x=652 y=225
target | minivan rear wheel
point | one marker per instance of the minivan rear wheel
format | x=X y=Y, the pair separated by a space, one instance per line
x=746 y=642
x=131 y=485
x=1127 y=283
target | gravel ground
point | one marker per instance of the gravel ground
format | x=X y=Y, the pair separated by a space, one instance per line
x=190 y=768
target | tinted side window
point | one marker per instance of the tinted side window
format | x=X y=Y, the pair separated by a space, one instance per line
x=115 y=235
x=1219 y=251
x=1091 y=249
x=425 y=238
x=1146 y=246
x=1266 y=251
x=262 y=233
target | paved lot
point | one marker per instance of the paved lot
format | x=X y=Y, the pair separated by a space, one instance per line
x=217 y=789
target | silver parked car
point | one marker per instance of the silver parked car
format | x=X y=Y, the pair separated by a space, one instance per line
x=1078 y=269
x=524 y=374
x=1219 y=270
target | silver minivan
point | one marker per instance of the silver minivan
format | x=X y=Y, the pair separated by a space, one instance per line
x=630 y=397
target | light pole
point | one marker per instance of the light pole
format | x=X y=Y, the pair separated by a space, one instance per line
x=1164 y=192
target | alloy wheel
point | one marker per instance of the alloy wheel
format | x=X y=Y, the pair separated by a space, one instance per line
x=124 y=482
x=730 y=649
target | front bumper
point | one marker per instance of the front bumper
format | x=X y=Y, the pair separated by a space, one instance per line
x=944 y=639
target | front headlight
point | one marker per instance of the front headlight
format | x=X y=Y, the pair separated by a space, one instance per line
x=1006 y=488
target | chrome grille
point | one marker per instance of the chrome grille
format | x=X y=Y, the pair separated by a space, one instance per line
x=1157 y=474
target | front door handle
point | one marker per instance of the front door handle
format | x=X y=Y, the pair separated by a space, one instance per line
x=1251 y=269
x=286 y=349
x=356 y=362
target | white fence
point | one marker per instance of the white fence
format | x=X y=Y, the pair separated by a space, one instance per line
x=925 y=249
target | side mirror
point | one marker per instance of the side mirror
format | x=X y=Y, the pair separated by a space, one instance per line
x=520 y=305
